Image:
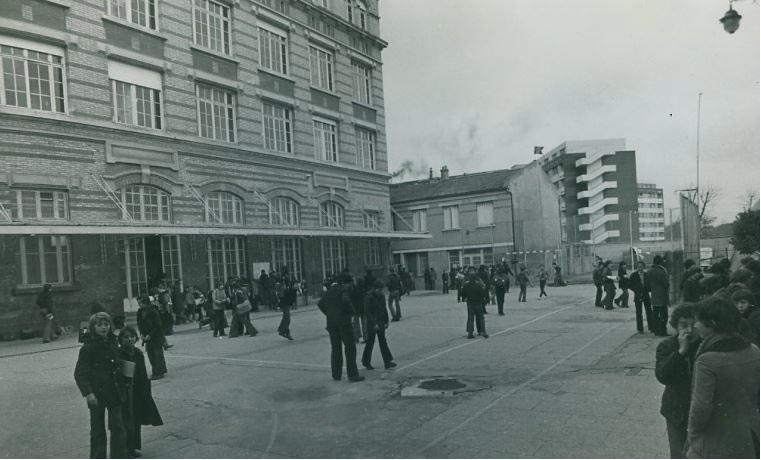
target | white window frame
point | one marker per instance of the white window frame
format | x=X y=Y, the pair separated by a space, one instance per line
x=171 y=258
x=63 y=259
x=164 y=209
x=135 y=274
x=228 y=247
x=217 y=200
x=362 y=14
x=275 y=124
x=156 y=120
x=224 y=40
x=366 y=147
x=363 y=83
x=282 y=207
x=228 y=107
x=335 y=260
x=332 y=215
x=128 y=6
x=287 y=252
x=273 y=50
x=373 y=252
x=483 y=217
x=54 y=69
x=325 y=139
x=371 y=220
x=321 y=68
x=420 y=220
x=451 y=217
x=60 y=204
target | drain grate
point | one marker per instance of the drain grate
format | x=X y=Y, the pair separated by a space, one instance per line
x=441 y=384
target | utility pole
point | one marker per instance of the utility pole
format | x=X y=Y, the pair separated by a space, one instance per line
x=697 y=175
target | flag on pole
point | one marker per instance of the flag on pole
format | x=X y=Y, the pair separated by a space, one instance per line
x=538 y=150
x=637 y=254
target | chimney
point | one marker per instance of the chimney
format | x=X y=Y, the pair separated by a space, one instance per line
x=444 y=172
x=430 y=173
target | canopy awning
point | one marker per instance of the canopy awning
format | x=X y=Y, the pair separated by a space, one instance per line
x=137 y=229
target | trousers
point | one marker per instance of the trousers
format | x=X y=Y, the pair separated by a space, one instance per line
x=598 y=295
x=131 y=425
x=342 y=343
x=98 y=432
x=367 y=353
x=500 y=300
x=285 y=322
x=155 y=352
x=218 y=322
x=661 y=318
x=610 y=293
x=475 y=312
x=542 y=285
x=640 y=302
x=522 y=293
x=677 y=433
x=393 y=301
x=445 y=287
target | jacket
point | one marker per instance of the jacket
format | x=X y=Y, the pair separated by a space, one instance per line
x=658 y=285
x=724 y=412
x=336 y=305
x=749 y=325
x=394 y=283
x=623 y=280
x=673 y=370
x=98 y=371
x=144 y=408
x=149 y=324
x=691 y=284
x=639 y=285
x=597 y=276
x=475 y=293
x=375 y=310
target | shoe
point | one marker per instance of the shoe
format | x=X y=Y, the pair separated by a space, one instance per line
x=289 y=337
x=357 y=378
x=337 y=378
x=609 y=308
x=222 y=334
x=135 y=454
x=501 y=313
x=46 y=341
x=471 y=336
x=157 y=377
x=485 y=335
x=390 y=365
x=168 y=346
x=368 y=366
x=617 y=302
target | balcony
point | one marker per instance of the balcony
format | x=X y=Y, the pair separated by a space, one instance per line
x=586 y=161
x=601 y=238
x=589 y=176
x=599 y=222
x=598 y=206
x=597 y=190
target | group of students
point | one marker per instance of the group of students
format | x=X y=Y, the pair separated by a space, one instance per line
x=710 y=369
x=112 y=377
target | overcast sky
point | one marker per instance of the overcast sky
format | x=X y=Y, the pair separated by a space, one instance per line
x=477 y=84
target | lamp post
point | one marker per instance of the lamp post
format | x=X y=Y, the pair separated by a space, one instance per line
x=731 y=20
x=514 y=259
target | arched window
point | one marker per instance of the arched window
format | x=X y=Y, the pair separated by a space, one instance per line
x=331 y=214
x=362 y=15
x=228 y=207
x=147 y=203
x=284 y=211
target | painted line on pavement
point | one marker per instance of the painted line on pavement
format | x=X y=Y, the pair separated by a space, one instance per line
x=462 y=345
x=511 y=392
x=257 y=361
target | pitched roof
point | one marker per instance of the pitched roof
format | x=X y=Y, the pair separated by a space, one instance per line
x=453 y=185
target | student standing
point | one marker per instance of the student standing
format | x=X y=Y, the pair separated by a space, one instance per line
x=152 y=332
x=337 y=307
x=658 y=287
x=523 y=281
x=377 y=323
x=543 y=277
x=475 y=295
x=638 y=283
x=500 y=288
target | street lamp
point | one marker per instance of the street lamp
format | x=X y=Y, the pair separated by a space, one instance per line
x=512 y=222
x=731 y=20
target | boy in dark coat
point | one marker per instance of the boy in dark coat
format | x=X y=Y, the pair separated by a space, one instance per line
x=99 y=378
x=337 y=307
x=377 y=323
x=638 y=284
x=597 y=279
x=152 y=333
x=749 y=323
x=523 y=280
x=140 y=409
x=674 y=361
x=658 y=287
x=475 y=294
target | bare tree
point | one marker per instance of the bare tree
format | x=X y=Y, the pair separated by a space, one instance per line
x=748 y=199
x=708 y=195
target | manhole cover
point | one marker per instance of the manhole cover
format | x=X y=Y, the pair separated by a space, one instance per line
x=441 y=384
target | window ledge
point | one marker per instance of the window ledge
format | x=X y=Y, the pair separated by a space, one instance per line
x=131 y=25
x=28 y=290
x=362 y=104
x=486 y=226
x=215 y=53
x=326 y=91
x=456 y=229
x=276 y=74
x=61 y=3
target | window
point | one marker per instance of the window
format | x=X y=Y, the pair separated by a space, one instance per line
x=371 y=220
x=331 y=214
x=136 y=95
x=226 y=259
x=146 y=203
x=279 y=5
x=362 y=15
x=32 y=79
x=40 y=204
x=485 y=212
x=321 y=68
x=45 y=260
x=372 y=252
x=278 y=128
x=363 y=77
x=140 y=12
x=333 y=256
x=324 y=3
x=420 y=220
x=216 y=113
x=133 y=251
x=365 y=148
x=228 y=207
x=454 y=259
x=284 y=211
x=211 y=25
x=451 y=217
x=171 y=263
x=273 y=49
x=325 y=140
x=286 y=253
x=349 y=11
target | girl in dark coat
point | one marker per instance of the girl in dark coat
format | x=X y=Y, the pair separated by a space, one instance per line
x=140 y=409
x=99 y=378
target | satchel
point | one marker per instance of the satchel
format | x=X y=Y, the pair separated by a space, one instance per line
x=243 y=307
